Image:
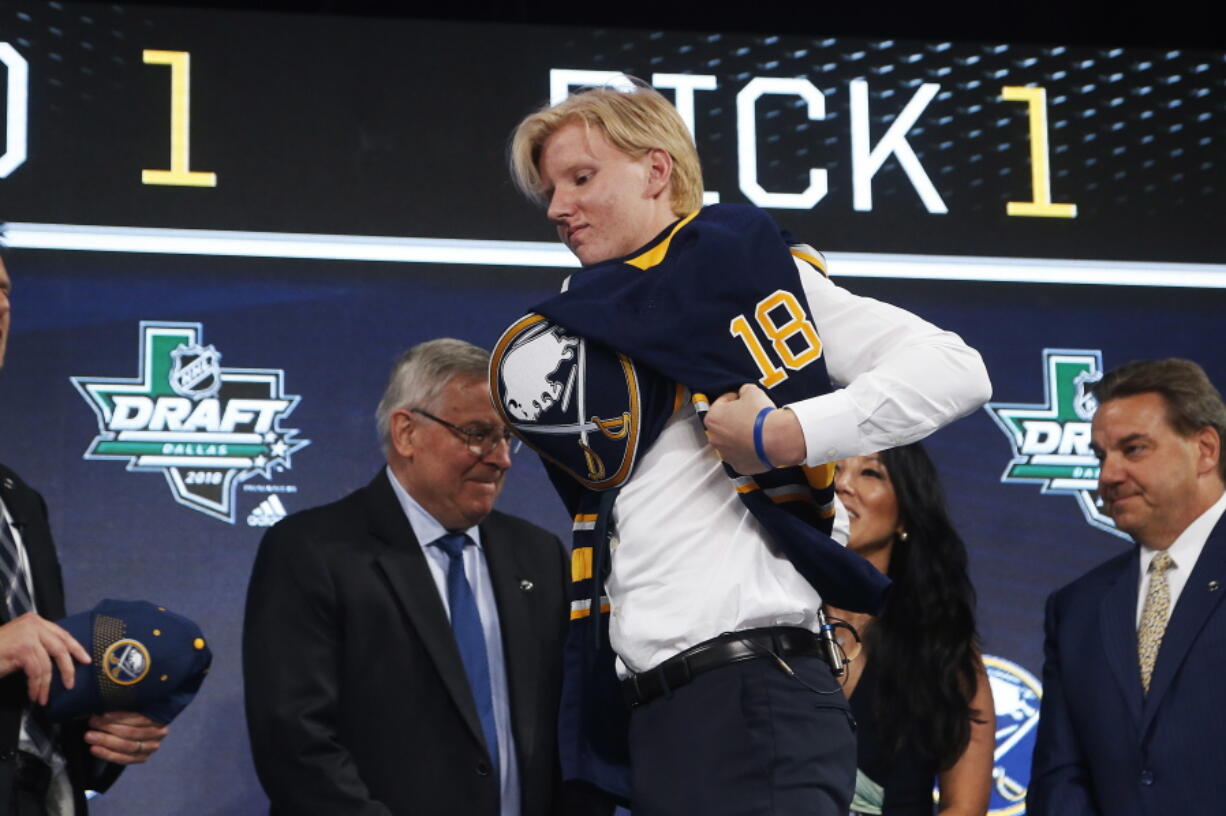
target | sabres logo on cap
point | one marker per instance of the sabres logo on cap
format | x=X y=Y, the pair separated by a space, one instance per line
x=126 y=662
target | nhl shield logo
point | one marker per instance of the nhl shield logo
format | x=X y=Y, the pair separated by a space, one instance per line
x=540 y=376
x=195 y=371
x=1084 y=401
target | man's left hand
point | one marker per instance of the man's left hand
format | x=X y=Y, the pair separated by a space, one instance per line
x=730 y=429
x=124 y=737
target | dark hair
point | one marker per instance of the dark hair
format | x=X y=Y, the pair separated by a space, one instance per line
x=1192 y=402
x=924 y=642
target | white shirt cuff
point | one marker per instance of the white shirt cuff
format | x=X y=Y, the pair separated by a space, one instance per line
x=830 y=427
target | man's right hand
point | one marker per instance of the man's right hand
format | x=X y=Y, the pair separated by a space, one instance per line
x=30 y=644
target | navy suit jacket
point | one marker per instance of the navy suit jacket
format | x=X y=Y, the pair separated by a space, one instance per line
x=1104 y=747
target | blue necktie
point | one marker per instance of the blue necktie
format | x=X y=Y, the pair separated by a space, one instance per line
x=470 y=638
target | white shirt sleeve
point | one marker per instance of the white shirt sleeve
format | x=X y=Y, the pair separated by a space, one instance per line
x=904 y=378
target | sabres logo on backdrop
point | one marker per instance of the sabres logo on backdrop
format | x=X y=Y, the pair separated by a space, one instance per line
x=1017 y=695
x=205 y=427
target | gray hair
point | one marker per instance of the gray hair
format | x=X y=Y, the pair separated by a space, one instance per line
x=1192 y=402
x=422 y=373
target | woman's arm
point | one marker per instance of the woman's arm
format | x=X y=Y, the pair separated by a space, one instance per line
x=967 y=786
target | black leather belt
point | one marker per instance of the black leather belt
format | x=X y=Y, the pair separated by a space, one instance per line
x=730 y=647
x=32 y=773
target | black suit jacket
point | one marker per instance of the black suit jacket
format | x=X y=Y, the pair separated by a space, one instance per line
x=357 y=702
x=1103 y=747
x=29 y=513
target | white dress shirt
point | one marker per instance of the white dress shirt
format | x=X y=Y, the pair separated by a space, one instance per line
x=691 y=562
x=1184 y=552
x=427 y=529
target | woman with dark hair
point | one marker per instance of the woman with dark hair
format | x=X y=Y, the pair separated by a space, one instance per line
x=917 y=687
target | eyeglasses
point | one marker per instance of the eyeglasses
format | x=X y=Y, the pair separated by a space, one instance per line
x=480 y=442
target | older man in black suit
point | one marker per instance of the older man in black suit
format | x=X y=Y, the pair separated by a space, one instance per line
x=402 y=646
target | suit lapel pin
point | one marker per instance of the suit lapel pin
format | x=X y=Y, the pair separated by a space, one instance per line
x=526 y=585
x=8 y=483
x=1214 y=586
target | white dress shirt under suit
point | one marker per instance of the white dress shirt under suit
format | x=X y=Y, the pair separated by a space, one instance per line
x=1184 y=551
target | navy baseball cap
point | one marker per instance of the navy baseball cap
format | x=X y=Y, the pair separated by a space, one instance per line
x=146 y=660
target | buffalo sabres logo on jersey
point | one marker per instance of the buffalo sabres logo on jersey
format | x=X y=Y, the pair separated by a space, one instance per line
x=574 y=402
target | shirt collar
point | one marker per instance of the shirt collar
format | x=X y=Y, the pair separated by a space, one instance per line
x=1186 y=548
x=425 y=526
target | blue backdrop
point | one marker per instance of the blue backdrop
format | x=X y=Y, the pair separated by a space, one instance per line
x=397 y=129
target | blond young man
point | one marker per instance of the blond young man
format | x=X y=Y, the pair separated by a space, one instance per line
x=711 y=578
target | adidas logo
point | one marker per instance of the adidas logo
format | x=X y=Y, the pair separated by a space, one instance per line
x=267 y=513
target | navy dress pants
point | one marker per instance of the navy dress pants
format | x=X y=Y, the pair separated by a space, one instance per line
x=746 y=739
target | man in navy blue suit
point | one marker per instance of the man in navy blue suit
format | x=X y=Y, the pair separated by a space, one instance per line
x=1134 y=681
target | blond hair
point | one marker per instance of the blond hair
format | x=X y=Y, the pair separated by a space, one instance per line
x=635 y=122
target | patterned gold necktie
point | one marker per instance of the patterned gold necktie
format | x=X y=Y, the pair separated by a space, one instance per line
x=1153 y=616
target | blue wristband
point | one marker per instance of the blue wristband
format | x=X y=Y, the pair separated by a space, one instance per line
x=758 y=447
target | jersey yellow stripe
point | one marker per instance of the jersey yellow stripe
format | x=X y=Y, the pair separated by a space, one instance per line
x=812 y=260
x=678 y=398
x=582 y=609
x=656 y=254
x=575 y=614
x=581 y=564
x=804 y=497
x=820 y=476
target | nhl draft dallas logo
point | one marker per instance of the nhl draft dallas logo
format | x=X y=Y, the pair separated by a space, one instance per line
x=207 y=428
x=1051 y=442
